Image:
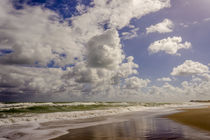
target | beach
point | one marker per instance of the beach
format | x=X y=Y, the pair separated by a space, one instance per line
x=197 y=117
x=134 y=122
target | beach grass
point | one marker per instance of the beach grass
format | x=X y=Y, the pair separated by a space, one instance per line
x=199 y=118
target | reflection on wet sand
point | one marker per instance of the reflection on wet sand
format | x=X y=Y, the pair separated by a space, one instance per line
x=137 y=127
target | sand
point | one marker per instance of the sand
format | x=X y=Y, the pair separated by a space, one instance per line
x=198 y=117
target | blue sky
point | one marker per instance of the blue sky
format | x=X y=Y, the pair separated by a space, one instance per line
x=159 y=65
x=71 y=50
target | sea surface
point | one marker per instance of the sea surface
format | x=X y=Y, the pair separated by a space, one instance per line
x=138 y=126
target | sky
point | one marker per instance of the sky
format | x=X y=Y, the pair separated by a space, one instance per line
x=104 y=50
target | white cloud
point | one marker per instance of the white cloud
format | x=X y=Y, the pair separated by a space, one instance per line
x=102 y=70
x=21 y=79
x=164 y=79
x=131 y=26
x=166 y=91
x=36 y=36
x=131 y=34
x=198 y=87
x=170 y=45
x=113 y=14
x=42 y=38
x=188 y=24
x=84 y=73
x=189 y=67
x=185 y=25
x=206 y=19
x=206 y=76
x=135 y=83
x=105 y=50
x=195 y=22
x=165 y=26
x=119 y=17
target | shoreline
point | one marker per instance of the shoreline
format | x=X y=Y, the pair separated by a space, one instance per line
x=52 y=125
x=59 y=125
x=74 y=115
x=152 y=113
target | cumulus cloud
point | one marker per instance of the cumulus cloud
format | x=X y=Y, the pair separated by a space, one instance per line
x=135 y=83
x=48 y=39
x=92 y=55
x=165 y=26
x=164 y=79
x=190 y=67
x=78 y=80
x=96 y=66
x=113 y=14
x=84 y=73
x=198 y=87
x=105 y=61
x=105 y=50
x=170 y=45
x=35 y=35
x=118 y=17
x=26 y=80
x=128 y=68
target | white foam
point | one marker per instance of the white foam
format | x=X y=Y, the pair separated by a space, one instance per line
x=46 y=117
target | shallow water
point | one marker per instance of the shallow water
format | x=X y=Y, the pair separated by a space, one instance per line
x=138 y=126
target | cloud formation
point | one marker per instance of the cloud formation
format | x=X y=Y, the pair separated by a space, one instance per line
x=82 y=58
x=36 y=36
x=206 y=19
x=190 y=67
x=105 y=50
x=91 y=55
x=29 y=82
x=135 y=83
x=170 y=45
x=164 y=79
x=131 y=34
x=115 y=14
x=165 y=26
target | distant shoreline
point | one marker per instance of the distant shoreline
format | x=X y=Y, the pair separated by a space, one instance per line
x=195 y=117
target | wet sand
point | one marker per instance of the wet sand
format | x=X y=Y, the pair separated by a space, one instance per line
x=138 y=126
x=199 y=117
